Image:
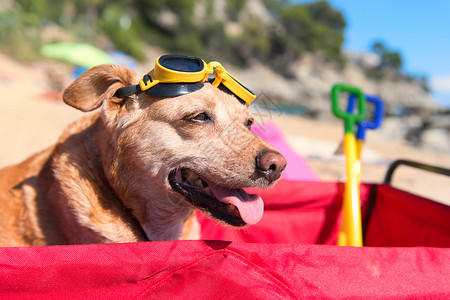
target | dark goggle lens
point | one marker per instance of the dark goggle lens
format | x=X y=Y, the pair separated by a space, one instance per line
x=181 y=63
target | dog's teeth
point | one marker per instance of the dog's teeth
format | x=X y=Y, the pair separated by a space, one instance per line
x=198 y=183
x=231 y=209
x=191 y=176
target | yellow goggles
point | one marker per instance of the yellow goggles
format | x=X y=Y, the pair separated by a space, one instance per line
x=176 y=75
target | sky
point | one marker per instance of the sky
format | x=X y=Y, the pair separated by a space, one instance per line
x=418 y=29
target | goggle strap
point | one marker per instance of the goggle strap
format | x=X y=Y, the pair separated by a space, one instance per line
x=217 y=70
x=147 y=77
x=127 y=91
x=132 y=89
x=217 y=81
x=147 y=82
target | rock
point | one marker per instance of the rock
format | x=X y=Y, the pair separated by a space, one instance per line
x=394 y=128
x=404 y=94
x=409 y=109
x=436 y=139
x=440 y=121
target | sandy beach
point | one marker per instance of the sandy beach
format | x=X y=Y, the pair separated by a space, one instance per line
x=32 y=117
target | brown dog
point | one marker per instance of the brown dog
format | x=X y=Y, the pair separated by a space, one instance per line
x=136 y=169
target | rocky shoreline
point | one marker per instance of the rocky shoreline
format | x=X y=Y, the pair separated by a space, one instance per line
x=411 y=114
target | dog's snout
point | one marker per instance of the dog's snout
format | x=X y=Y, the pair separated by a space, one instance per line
x=270 y=164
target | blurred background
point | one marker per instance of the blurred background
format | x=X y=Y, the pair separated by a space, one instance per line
x=290 y=53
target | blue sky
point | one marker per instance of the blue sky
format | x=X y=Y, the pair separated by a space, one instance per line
x=418 y=29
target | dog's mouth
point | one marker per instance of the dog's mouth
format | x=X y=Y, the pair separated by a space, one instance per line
x=234 y=206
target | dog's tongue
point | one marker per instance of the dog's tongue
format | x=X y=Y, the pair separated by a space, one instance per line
x=250 y=206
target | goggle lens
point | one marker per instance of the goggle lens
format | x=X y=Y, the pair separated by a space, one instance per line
x=188 y=64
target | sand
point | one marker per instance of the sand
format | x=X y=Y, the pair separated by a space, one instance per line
x=32 y=116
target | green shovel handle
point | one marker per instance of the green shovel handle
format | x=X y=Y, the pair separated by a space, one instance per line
x=350 y=119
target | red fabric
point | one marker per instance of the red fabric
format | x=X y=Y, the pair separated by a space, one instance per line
x=309 y=213
x=222 y=270
x=401 y=219
x=294 y=212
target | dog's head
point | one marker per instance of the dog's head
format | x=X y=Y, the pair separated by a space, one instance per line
x=176 y=152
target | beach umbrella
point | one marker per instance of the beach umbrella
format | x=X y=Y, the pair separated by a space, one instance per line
x=121 y=58
x=80 y=54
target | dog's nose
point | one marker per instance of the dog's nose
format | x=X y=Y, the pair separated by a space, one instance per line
x=270 y=164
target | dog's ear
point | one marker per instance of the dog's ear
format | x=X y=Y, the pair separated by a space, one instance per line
x=96 y=85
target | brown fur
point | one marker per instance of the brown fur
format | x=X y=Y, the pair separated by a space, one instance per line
x=105 y=180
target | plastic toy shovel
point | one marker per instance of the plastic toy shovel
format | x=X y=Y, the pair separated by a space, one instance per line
x=364 y=125
x=350 y=233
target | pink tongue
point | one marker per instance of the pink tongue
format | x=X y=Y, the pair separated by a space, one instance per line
x=250 y=206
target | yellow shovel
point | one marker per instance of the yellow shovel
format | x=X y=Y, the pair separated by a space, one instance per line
x=350 y=233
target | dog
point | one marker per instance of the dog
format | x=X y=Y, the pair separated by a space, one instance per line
x=138 y=168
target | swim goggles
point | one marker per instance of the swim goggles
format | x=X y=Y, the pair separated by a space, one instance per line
x=176 y=75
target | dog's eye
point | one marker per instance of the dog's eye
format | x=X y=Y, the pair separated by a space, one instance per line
x=200 y=117
x=249 y=123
